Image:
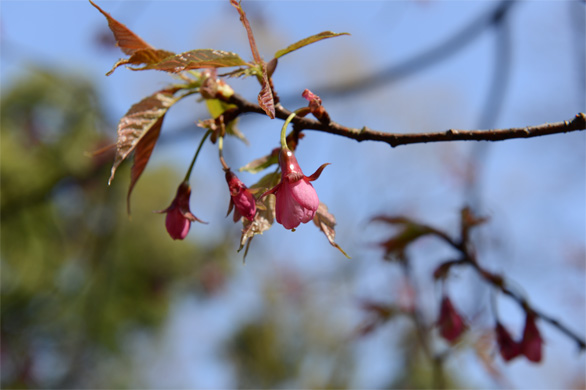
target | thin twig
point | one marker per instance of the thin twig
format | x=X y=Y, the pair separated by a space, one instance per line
x=499 y=282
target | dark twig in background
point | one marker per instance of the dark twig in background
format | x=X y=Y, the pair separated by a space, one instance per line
x=425 y=59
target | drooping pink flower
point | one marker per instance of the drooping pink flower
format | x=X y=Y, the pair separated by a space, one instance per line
x=297 y=200
x=240 y=197
x=451 y=324
x=508 y=347
x=179 y=217
x=532 y=342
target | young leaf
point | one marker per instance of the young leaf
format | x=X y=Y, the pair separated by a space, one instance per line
x=308 y=41
x=146 y=56
x=265 y=215
x=326 y=223
x=242 y=72
x=217 y=108
x=139 y=51
x=265 y=97
x=138 y=130
x=142 y=154
x=196 y=59
x=246 y=24
x=262 y=163
x=128 y=41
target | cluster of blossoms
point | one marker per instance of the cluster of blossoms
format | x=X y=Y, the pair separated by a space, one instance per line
x=451 y=326
x=296 y=199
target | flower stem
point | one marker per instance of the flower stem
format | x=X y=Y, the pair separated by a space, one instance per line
x=186 y=179
x=284 y=130
x=221 y=152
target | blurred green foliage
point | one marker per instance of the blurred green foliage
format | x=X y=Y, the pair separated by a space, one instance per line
x=77 y=274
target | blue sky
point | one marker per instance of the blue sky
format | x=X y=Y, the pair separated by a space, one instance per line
x=534 y=190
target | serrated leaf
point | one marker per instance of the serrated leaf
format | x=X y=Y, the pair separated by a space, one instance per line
x=326 y=222
x=242 y=72
x=146 y=56
x=249 y=33
x=128 y=41
x=142 y=154
x=131 y=44
x=308 y=41
x=262 y=163
x=196 y=59
x=139 y=128
x=265 y=97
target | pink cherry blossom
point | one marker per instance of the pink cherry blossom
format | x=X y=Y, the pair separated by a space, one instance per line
x=179 y=217
x=297 y=200
x=240 y=197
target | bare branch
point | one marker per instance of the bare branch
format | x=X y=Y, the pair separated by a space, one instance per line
x=578 y=123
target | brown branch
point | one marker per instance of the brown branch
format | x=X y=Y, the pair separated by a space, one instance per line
x=578 y=123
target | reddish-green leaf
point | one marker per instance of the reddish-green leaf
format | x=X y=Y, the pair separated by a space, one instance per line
x=308 y=41
x=246 y=25
x=265 y=216
x=138 y=130
x=265 y=97
x=139 y=51
x=326 y=222
x=142 y=154
x=146 y=56
x=128 y=41
x=196 y=59
x=262 y=163
x=216 y=108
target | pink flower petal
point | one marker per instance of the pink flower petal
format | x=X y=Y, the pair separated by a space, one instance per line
x=304 y=193
x=177 y=225
x=245 y=204
x=288 y=211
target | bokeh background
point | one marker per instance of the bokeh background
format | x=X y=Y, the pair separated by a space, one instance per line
x=94 y=299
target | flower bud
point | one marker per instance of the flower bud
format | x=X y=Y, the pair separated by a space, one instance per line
x=240 y=197
x=179 y=217
x=297 y=200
